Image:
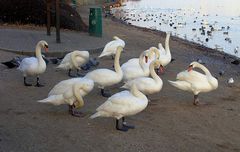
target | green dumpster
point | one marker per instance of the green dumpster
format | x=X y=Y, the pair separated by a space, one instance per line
x=95 y=22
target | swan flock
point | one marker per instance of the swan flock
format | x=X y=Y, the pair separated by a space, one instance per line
x=141 y=77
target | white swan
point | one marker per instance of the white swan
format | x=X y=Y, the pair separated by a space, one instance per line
x=106 y=77
x=74 y=60
x=134 y=68
x=165 y=54
x=147 y=85
x=70 y=92
x=34 y=65
x=193 y=81
x=111 y=47
x=125 y=103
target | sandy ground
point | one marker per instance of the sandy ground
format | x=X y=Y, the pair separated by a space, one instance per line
x=171 y=123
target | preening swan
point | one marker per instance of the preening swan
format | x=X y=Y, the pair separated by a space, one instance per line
x=70 y=92
x=193 y=81
x=147 y=85
x=111 y=47
x=134 y=68
x=125 y=103
x=34 y=65
x=106 y=77
x=74 y=60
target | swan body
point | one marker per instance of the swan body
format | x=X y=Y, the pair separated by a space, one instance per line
x=196 y=82
x=74 y=60
x=106 y=77
x=111 y=47
x=138 y=67
x=69 y=92
x=125 y=103
x=34 y=65
x=147 y=85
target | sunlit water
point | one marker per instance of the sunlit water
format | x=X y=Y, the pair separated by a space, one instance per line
x=212 y=23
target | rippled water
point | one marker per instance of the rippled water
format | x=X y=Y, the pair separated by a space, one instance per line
x=213 y=23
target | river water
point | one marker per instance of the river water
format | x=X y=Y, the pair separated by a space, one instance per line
x=212 y=23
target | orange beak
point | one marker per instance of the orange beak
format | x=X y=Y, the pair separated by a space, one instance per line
x=190 y=68
x=146 y=59
x=46 y=49
x=161 y=69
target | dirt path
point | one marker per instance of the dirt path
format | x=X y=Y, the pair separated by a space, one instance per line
x=172 y=123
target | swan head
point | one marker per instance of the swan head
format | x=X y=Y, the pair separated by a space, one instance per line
x=158 y=66
x=43 y=44
x=192 y=66
x=147 y=55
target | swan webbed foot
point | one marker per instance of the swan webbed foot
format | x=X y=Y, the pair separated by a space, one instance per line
x=38 y=84
x=70 y=75
x=124 y=124
x=104 y=93
x=197 y=102
x=80 y=74
x=128 y=126
x=25 y=83
x=74 y=113
x=122 y=128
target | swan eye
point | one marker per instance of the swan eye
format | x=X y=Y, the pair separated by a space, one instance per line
x=46 y=46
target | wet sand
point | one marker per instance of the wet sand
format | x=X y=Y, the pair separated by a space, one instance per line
x=170 y=123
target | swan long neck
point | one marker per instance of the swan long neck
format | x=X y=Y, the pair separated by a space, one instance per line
x=38 y=52
x=167 y=48
x=205 y=70
x=73 y=59
x=153 y=73
x=141 y=62
x=116 y=60
x=76 y=92
x=134 y=91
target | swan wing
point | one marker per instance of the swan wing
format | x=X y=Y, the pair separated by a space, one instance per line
x=104 y=77
x=133 y=72
x=65 y=85
x=192 y=76
x=28 y=64
x=118 y=103
x=53 y=99
x=111 y=48
x=66 y=62
x=182 y=85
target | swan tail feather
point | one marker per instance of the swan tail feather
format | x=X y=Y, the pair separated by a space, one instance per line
x=55 y=100
x=97 y=114
x=102 y=54
x=125 y=86
x=183 y=85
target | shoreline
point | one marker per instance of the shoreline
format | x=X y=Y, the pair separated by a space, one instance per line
x=209 y=51
x=205 y=49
